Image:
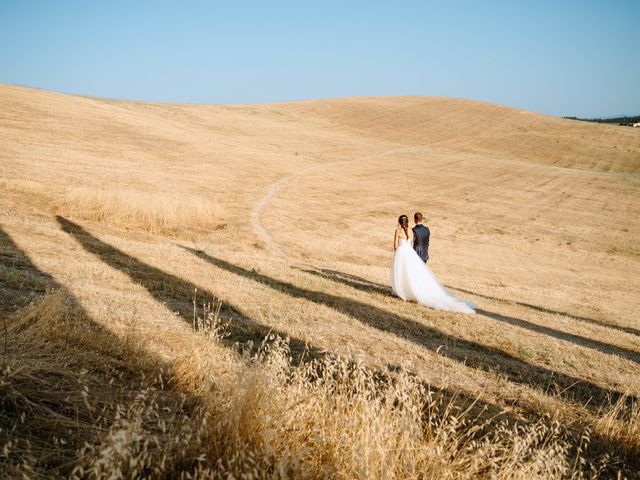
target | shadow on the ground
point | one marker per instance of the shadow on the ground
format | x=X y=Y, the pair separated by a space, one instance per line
x=20 y=281
x=349 y=280
x=364 y=285
x=42 y=408
x=245 y=332
x=471 y=353
x=560 y=335
x=622 y=328
x=177 y=294
x=167 y=288
x=369 y=286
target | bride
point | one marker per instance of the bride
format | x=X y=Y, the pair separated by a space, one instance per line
x=411 y=279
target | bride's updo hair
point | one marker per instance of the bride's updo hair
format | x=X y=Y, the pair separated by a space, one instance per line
x=401 y=219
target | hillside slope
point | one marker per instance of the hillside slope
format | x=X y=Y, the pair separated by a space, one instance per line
x=469 y=126
x=123 y=224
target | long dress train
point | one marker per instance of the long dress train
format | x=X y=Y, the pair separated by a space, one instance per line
x=411 y=279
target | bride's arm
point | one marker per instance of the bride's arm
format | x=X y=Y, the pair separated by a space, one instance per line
x=396 y=240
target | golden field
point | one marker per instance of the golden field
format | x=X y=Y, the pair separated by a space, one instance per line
x=294 y=360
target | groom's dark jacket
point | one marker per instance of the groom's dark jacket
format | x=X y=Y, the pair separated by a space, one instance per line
x=421 y=241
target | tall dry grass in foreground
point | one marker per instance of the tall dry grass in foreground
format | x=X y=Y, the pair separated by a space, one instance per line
x=78 y=402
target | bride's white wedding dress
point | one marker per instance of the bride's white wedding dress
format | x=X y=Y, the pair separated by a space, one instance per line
x=411 y=279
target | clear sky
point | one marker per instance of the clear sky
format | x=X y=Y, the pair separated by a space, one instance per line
x=557 y=57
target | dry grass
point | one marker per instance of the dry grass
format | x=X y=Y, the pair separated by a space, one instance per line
x=534 y=218
x=100 y=409
x=67 y=383
x=154 y=212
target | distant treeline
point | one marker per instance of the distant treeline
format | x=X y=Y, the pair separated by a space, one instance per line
x=626 y=121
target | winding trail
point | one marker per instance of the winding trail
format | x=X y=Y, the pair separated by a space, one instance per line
x=262 y=232
x=276 y=185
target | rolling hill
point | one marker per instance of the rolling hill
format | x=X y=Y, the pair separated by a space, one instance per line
x=147 y=250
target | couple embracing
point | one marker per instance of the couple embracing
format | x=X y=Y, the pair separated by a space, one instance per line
x=411 y=279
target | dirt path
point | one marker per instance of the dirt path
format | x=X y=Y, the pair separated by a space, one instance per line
x=275 y=186
x=262 y=232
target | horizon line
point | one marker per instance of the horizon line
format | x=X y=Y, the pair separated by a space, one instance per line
x=310 y=99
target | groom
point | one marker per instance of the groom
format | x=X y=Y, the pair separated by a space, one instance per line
x=421 y=237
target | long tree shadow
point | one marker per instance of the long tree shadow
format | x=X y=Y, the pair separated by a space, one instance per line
x=369 y=286
x=38 y=407
x=20 y=281
x=350 y=280
x=167 y=288
x=560 y=335
x=177 y=293
x=171 y=290
x=470 y=353
x=622 y=328
x=361 y=284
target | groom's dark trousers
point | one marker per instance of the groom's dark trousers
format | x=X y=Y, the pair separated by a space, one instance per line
x=421 y=241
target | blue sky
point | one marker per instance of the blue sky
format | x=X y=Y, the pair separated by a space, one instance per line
x=557 y=57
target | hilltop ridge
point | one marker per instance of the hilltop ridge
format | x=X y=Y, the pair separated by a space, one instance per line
x=439 y=123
